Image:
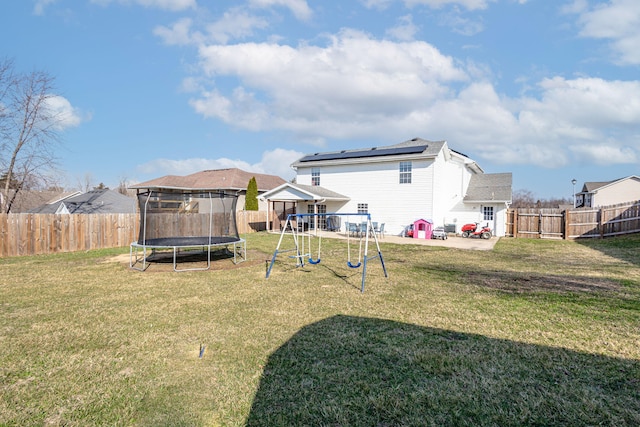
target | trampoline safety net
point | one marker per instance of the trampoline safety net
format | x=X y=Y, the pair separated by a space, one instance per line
x=178 y=218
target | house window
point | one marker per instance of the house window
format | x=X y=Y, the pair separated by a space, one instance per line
x=363 y=208
x=487 y=211
x=322 y=219
x=405 y=172
x=315 y=176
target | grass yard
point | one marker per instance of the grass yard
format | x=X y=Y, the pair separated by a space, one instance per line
x=531 y=333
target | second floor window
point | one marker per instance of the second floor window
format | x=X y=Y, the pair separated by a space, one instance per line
x=405 y=172
x=315 y=176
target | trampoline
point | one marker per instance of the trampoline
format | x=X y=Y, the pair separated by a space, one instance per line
x=181 y=221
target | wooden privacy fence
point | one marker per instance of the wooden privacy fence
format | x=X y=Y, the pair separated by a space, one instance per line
x=574 y=223
x=34 y=234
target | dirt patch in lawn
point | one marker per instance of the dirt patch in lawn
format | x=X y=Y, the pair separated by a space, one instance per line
x=513 y=283
x=220 y=260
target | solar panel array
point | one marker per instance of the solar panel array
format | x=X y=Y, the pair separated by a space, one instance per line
x=371 y=152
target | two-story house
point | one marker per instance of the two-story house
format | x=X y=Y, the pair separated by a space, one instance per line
x=397 y=185
x=595 y=194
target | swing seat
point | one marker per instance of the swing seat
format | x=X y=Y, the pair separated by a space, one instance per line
x=354 y=266
x=311 y=261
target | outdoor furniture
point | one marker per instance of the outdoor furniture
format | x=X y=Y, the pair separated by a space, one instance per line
x=353 y=229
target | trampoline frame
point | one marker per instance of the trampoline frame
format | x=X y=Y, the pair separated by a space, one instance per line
x=177 y=243
x=239 y=247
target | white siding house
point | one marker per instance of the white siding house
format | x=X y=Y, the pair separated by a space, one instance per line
x=596 y=194
x=399 y=184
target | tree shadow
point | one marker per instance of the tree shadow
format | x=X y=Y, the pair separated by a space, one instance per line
x=355 y=371
x=624 y=248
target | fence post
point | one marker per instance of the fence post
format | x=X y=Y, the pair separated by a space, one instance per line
x=540 y=231
x=565 y=232
x=601 y=222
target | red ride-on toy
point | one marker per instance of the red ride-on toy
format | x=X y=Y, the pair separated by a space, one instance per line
x=472 y=230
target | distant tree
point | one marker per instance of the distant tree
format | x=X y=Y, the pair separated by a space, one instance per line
x=101 y=186
x=86 y=183
x=526 y=199
x=251 y=198
x=523 y=199
x=13 y=183
x=28 y=130
x=123 y=187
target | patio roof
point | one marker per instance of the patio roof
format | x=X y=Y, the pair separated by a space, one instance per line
x=298 y=192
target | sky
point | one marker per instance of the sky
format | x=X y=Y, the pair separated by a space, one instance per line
x=547 y=90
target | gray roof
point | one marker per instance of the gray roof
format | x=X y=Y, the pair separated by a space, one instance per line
x=489 y=187
x=410 y=147
x=95 y=201
x=315 y=192
x=590 y=187
x=320 y=191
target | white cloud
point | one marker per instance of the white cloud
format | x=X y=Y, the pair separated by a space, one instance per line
x=359 y=87
x=437 y=4
x=460 y=24
x=235 y=24
x=333 y=90
x=405 y=30
x=617 y=21
x=273 y=162
x=172 y=5
x=179 y=33
x=40 y=5
x=64 y=115
x=605 y=154
x=299 y=8
x=434 y=4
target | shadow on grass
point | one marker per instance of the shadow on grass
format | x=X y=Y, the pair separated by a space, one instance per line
x=353 y=371
x=625 y=248
x=602 y=292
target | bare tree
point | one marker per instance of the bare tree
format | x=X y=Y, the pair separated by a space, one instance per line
x=123 y=186
x=526 y=199
x=28 y=131
x=86 y=183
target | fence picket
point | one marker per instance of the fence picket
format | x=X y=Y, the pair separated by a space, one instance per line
x=601 y=222
x=34 y=234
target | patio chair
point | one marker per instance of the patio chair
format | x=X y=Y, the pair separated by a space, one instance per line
x=380 y=231
x=353 y=228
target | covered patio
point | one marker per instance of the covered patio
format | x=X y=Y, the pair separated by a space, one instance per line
x=290 y=198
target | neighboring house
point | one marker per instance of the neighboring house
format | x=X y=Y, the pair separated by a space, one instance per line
x=596 y=194
x=91 y=202
x=230 y=180
x=397 y=185
x=26 y=200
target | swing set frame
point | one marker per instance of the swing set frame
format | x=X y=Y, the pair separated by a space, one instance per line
x=303 y=255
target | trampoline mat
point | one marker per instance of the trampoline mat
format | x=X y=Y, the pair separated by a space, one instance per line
x=171 y=242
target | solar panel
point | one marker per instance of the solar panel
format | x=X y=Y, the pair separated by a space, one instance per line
x=372 y=152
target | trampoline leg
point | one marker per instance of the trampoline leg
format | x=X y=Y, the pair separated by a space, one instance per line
x=134 y=253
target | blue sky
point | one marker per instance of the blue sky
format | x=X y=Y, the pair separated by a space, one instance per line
x=548 y=90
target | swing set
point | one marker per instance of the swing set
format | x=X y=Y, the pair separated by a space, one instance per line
x=303 y=243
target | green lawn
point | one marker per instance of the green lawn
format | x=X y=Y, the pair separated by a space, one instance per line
x=532 y=333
